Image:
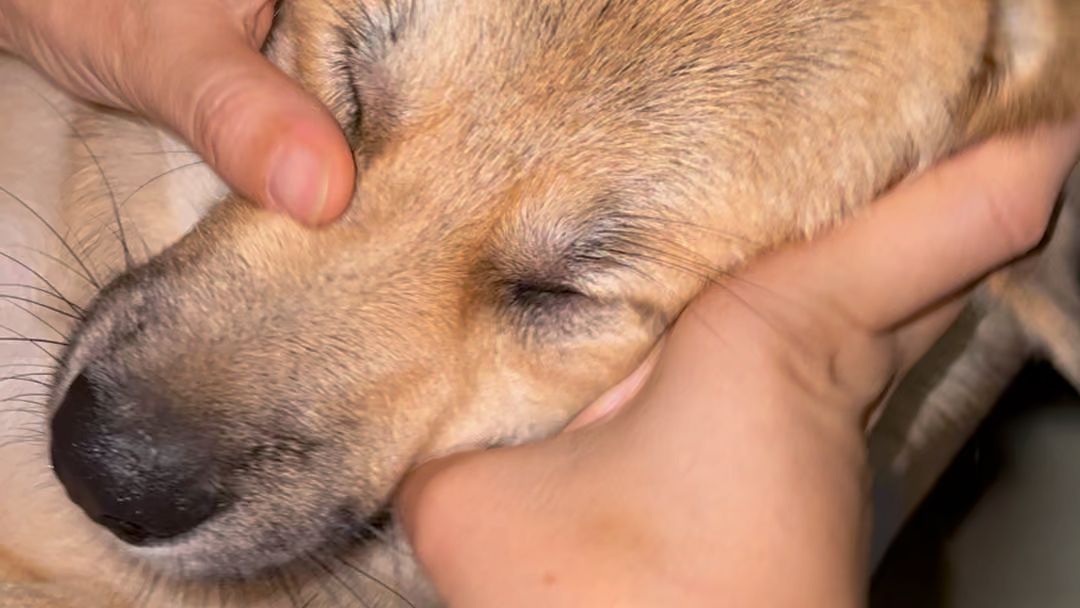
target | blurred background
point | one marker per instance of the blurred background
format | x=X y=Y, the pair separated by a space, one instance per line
x=1002 y=527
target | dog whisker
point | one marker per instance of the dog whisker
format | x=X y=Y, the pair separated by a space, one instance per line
x=164 y=153
x=31 y=429
x=163 y=174
x=367 y=575
x=293 y=590
x=37 y=404
x=30 y=378
x=32 y=340
x=52 y=288
x=12 y=301
x=25 y=437
x=48 y=368
x=74 y=271
x=221 y=592
x=27 y=396
x=37 y=412
x=286 y=583
x=340 y=581
x=55 y=292
x=13 y=298
x=713 y=232
x=63 y=242
x=151 y=580
x=38 y=343
x=104 y=180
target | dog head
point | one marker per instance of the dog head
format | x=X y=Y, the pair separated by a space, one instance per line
x=543 y=186
x=519 y=239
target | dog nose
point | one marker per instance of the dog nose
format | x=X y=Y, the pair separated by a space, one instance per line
x=145 y=479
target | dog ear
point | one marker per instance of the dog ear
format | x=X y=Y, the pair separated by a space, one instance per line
x=1029 y=68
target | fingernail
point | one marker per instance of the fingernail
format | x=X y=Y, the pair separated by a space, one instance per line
x=299 y=182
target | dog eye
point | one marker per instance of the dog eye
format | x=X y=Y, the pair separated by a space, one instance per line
x=548 y=310
x=542 y=295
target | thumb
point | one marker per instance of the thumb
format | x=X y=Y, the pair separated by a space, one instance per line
x=271 y=141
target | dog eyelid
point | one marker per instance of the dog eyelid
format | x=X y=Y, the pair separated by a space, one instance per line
x=542 y=292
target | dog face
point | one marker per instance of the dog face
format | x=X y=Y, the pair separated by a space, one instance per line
x=542 y=187
x=253 y=394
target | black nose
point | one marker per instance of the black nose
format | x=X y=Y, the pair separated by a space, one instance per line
x=132 y=467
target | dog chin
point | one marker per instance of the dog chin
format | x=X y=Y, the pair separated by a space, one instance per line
x=243 y=548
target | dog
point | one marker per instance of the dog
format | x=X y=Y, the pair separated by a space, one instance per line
x=542 y=187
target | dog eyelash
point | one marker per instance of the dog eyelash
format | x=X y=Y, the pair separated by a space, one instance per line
x=542 y=295
x=545 y=309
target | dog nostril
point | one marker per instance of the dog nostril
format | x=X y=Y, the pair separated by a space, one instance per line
x=145 y=480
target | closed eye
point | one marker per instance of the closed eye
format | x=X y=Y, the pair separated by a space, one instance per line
x=535 y=295
x=547 y=309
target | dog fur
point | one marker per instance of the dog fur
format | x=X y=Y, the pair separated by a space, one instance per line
x=543 y=185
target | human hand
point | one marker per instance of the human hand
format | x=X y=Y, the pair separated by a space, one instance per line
x=193 y=66
x=736 y=474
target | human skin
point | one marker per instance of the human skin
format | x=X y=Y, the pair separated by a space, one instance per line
x=193 y=66
x=731 y=469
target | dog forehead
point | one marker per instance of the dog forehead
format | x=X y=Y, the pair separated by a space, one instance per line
x=538 y=52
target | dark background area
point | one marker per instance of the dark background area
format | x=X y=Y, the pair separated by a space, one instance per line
x=1002 y=527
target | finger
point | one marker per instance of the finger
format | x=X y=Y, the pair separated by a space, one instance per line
x=612 y=401
x=936 y=234
x=268 y=139
x=7 y=28
x=410 y=502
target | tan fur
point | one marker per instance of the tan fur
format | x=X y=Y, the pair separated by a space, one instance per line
x=543 y=185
